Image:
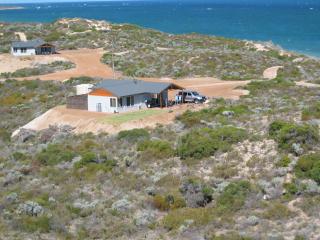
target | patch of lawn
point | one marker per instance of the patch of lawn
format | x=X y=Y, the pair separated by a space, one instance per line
x=118 y=119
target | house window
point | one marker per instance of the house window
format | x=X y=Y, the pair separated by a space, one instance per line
x=120 y=102
x=15 y=50
x=130 y=101
x=113 y=102
x=23 y=50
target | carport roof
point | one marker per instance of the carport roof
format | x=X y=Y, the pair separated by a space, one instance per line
x=128 y=87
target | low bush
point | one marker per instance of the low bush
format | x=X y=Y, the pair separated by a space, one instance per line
x=86 y=158
x=191 y=118
x=54 y=154
x=283 y=162
x=229 y=236
x=277 y=211
x=308 y=166
x=134 y=134
x=200 y=216
x=156 y=149
x=286 y=134
x=258 y=86
x=165 y=203
x=205 y=142
x=311 y=112
x=35 y=224
x=291 y=188
x=233 y=197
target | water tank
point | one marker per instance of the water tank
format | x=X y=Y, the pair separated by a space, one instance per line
x=83 y=89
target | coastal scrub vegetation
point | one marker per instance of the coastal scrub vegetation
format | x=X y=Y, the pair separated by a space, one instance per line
x=233 y=170
x=140 y=52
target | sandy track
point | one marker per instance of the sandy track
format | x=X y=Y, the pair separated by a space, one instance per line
x=271 y=73
x=22 y=36
x=84 y=121
x=307 y=84
x=209 y=86
x=87 y=64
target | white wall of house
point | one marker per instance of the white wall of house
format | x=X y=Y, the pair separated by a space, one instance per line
x=139 y=102
x=100 y=103
x=20 y=52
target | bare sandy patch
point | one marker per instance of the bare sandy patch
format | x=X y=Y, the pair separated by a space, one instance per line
x=209 y=86
x=9 y=63
x=84 y=121
x=22 y=36
x=272 y=72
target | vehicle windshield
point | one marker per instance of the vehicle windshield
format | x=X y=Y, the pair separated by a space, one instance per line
x=195 y=93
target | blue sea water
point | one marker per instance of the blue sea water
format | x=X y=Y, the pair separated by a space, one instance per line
x=294 y=25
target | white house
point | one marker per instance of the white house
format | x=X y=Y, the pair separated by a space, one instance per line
x=32 y=47
x=112 y=96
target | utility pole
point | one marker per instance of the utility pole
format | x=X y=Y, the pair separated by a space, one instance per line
x=112 y=55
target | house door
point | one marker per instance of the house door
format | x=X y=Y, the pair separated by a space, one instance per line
x=99 y=107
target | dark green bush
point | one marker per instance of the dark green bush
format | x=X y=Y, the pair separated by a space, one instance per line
x=283 y=162
x=191 y=118
x=286 y=134
x=86 y=158
x=134 y=134
x=308 y=166
x=233 y=197
x=291 y=188
x=165 y=203
x=54 y=154
x=156 y=149
x=205 y=142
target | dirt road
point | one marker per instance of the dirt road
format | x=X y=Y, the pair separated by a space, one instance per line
x=87 y=64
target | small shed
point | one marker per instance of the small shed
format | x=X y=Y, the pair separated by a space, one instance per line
x=32 y=47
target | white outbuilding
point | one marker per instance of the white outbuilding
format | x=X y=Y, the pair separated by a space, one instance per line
x=32 y=47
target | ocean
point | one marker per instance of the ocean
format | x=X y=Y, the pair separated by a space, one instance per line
x=292 y=25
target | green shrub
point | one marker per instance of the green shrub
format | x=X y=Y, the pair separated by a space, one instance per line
x=134 y=134
x=277 y=211
x=311 y=112
x=35 y=224
x=156 y=149
x=233 y=197
x=18 y=156
x=4 y=135
x=229 y=236
x=261 y=86
x=54 y=154
x=205 y=142
x=175 y=218
x=283 y=162
x=286 y=134
x=165 y=203
x=86 y=158
x=53 y=36
x=191 y=118
x=291 y=188
x=308 y=166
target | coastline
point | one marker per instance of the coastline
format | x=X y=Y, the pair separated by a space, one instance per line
x=2 y=8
